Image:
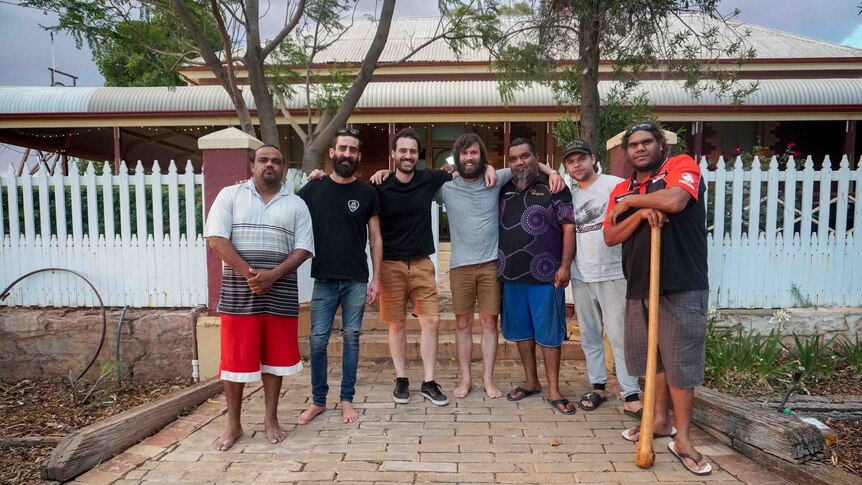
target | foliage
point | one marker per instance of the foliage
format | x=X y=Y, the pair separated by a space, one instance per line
x=123 y=63
x=800 y=300
x=684 y=38
x=850 y=352
x=762 y=153
x=814 y=354
x=517 y=8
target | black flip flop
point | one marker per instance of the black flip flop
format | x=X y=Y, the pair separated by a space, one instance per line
x=524 y=393
x=593 y=398
x=555 y=405
x=639 y=414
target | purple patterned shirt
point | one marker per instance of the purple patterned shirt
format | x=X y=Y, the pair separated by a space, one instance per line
x=531 y=232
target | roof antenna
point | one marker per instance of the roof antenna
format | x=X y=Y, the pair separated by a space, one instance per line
x=54 y=82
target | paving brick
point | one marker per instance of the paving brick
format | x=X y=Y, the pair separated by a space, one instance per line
x=622 y=477
x=535 y=478
x=96 y=477
x=382 y=456
x=420 y=466
x=287 y=476
x=460 y=477
x=342 y=466
x=354 y=476
x=588 y=466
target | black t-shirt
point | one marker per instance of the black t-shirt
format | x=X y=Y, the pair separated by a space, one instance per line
x=530 y=249
x=339 y=218
x=405 y=215
x=683 y=237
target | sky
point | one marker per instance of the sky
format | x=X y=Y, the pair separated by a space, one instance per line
x=830 y=20
x=27 y=51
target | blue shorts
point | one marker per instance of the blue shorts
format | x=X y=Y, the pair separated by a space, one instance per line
x=534 y=312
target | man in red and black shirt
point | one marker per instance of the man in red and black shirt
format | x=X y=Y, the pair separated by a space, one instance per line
x=665 y=192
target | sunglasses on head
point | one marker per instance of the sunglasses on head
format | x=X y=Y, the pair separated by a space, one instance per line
x=347 y=131
x=642 y=126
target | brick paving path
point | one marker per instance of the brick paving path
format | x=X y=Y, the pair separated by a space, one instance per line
x=471 y=440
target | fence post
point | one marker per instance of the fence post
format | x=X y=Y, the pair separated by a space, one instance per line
x=226 y=154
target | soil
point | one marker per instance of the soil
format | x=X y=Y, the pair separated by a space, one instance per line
x=847 y=451
x=35 y=408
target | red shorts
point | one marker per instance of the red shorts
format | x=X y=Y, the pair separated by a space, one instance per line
x=255 y=344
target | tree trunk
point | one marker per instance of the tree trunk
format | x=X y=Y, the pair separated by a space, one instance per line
x=588 y=63
x=254 y=61
x=319 y=140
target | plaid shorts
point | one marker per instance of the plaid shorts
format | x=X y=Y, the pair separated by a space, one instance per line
x=681 y=336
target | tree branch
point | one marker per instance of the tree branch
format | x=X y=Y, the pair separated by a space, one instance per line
x=287 y=29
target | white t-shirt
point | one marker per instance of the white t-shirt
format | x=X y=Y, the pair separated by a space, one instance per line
x=594 y=260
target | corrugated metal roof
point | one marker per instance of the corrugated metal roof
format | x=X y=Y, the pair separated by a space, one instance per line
x=407 y=32
x=419 y=95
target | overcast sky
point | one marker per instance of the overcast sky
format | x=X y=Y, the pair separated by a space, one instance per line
x=26 y=52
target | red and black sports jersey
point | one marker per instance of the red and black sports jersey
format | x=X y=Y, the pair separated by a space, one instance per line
x=683 y=237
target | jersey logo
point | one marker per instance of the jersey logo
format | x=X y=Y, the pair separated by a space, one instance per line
x=352 y=205
x=687 y=179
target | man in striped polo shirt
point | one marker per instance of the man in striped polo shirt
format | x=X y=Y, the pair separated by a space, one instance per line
x=262 y=232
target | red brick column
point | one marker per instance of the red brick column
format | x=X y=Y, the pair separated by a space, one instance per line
x=226 y=155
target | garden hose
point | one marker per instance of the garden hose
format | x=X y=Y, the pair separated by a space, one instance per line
x=5 y=294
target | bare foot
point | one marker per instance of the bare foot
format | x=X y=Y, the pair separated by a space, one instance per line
x=348 y=414
x=274 y=432
x=491 y=390
x=310 y=414
x=463 y=388
x=225 y=441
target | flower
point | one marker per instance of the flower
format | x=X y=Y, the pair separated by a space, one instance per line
x=738 y=151
x=791 y=146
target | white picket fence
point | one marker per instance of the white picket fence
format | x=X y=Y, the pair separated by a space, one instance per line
x=774 y=240
x=145 y=262
x=767 y=245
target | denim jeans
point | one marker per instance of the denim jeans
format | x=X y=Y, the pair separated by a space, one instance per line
x=602 y=304
x=325 y=299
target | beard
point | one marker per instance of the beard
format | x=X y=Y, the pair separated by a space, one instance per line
x=478 y=169
x=344 y=170
x=526 y=176
x=400 y=168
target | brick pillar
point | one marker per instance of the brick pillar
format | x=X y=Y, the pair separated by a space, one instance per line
x=226 y=154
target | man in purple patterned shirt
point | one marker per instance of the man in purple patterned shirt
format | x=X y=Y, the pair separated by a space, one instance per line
x=537 y=244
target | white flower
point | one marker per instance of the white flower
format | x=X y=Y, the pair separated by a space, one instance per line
x=780 y=316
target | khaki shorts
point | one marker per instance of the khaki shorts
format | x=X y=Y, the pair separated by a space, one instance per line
x=401 y=280
x=472 y=282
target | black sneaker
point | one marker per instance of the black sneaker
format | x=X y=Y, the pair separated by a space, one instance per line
x=401 y=394
x=431 y=391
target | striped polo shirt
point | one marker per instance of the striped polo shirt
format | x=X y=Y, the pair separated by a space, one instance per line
x=263 y=234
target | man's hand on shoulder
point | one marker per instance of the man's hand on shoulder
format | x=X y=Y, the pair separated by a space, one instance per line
x=379 y=177
x=556 y=183
x=316 y=174
x=490 y=176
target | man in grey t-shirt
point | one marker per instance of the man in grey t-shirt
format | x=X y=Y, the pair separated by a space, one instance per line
x=473 y=209
x=598 y=284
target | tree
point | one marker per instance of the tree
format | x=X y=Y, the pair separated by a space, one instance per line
x=309 y=27
x=123 y=63
x=518 y=8
x=562 y=44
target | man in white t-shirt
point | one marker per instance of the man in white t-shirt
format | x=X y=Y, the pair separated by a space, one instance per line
x=598 y=284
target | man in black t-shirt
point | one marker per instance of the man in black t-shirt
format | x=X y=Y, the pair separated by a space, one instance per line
x=408 y=273
x=663 y=190
x=344 y=214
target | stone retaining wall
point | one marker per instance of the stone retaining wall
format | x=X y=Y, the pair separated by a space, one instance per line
x=801 y=321
x=38 y=342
